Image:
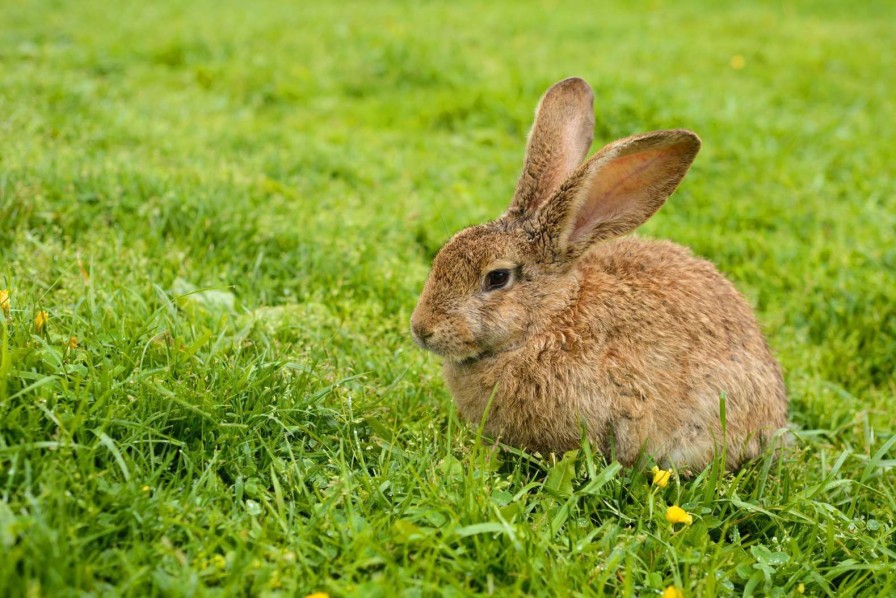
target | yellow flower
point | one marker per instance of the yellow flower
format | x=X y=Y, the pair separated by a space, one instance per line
x=73 y=343
x=672 y=592
x=318 y=595
x=40 y=320
x=737 y=62
x=801 y=588
x=219 y=561
x=4 y=301
x=661 y=477
x=676 y=514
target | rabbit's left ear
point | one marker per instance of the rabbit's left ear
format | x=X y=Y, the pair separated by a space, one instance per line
x=558 y=142
x=617 y=190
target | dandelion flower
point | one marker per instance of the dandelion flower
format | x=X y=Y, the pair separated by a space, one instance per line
x=661 y=477
x=737 y=62
x=73 y=343
x=676 y=514
x=672 y=592
x=318 y=595
x=4 y=301
x=40 y=320
x=801 y=589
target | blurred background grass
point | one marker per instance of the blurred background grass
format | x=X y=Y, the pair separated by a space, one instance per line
x=309 y=159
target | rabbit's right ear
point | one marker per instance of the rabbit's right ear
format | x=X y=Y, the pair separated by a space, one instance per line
x=617 y=190
x=559 y=140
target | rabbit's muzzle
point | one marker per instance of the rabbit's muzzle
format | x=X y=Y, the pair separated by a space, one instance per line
x=421 y=333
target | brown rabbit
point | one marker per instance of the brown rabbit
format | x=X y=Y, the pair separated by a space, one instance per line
x=572 y=328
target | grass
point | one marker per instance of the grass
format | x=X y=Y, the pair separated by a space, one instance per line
x=232 y=207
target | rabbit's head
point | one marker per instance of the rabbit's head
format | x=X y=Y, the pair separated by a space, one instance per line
x=495 y=284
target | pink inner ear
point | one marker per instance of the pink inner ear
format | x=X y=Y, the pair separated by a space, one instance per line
x=619 y=190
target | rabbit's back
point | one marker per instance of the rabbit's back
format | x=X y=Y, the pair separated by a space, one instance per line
x=640 y=358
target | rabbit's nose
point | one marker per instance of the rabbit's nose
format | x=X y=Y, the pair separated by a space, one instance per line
x=420 y=331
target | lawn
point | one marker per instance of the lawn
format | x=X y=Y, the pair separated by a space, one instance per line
x=215 y=218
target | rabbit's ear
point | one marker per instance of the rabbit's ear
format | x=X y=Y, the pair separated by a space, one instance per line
x=618 y=189
x=558 y=142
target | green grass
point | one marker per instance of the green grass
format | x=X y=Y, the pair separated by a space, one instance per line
x=232 y=207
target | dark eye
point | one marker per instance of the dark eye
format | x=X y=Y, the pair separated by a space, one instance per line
x=497 y=279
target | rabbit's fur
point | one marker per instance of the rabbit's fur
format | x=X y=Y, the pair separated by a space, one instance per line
x=632 y=341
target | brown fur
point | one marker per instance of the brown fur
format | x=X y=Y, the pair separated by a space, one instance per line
x=632 y=341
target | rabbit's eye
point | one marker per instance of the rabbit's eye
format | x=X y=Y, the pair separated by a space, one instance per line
x=497 y=279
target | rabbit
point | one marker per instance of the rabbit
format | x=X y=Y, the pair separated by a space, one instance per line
x=553 y=325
